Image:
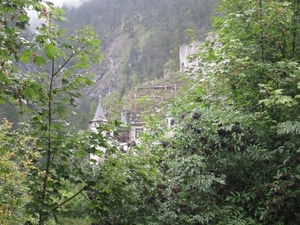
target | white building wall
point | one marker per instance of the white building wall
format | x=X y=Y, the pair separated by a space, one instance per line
x=184 y=52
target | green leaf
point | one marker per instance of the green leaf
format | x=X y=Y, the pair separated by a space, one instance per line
x=25 y=57
x=80 y=153
x=278 y=91
x=211 y=55
x=61 y=111
x=82 y=65
x=29 y=93
x=23 y=18
x=284 y=99
x=39 y=61
x=91 y=205
x=88 y=81
x=95 y=42
x=50 y=51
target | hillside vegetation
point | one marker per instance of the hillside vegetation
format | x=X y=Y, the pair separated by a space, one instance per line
x=228 y=156
x=140 y=39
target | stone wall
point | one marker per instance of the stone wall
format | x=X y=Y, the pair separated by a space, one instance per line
x=184 y=52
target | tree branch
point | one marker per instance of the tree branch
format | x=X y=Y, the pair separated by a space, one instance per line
x=69 y=199
x=65 y=63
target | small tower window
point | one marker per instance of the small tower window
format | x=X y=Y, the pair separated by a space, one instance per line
x=138 y=131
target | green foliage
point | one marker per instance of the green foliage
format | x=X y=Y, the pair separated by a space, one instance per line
x=13 y=20
x=152 y=32
x=232 y=155
x=126 y=180
x=50 y=120
x=14 y=171
x=48 y=99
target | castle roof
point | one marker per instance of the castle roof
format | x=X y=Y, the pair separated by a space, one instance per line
x=99 y=115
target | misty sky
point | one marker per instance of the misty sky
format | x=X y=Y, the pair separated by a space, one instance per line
x=73 y=3
x=59 y=3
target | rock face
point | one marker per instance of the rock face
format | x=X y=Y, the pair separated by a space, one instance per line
x=107 y=74
x=106 y=80
x=186 y=57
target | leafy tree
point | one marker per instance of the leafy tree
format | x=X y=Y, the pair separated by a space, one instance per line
x=61 y=156
x=14 y=171
x=125 y=181
x=234 y=155
x=231 y=157
x=13 y=20
x=120 y=196
x=51 y=96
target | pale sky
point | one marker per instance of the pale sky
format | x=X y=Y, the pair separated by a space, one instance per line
x=34 y=22
x=72 y=3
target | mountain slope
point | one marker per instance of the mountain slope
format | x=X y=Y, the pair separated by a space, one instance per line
x=140 y=39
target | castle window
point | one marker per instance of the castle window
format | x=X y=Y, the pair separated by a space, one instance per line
x=138 y=131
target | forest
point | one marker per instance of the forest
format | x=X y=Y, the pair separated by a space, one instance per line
x=231 y=155
x=139 y=41
x=150 y=34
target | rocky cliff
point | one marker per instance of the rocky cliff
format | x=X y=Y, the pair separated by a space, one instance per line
x=186 y=59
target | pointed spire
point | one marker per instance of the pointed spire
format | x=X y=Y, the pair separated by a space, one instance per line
x=99 y=115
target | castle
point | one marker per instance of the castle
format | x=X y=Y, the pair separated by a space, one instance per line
x=127 y=135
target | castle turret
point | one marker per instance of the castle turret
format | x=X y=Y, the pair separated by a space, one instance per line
x=99 y=117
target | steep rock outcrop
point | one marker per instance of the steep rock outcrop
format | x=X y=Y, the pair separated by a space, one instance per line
x=106 y=74
x=186 y=59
